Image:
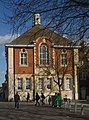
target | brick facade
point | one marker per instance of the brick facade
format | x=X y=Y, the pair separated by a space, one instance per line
x=35 y=71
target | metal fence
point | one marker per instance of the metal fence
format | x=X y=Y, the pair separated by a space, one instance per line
x=81 y=108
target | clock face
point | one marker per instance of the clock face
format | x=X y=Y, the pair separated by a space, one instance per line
x=37 y=19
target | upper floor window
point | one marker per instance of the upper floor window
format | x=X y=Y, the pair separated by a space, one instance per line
x=23 y=57
x=28 y=83
x=20 y=83
x=44 y=54
x=64 y=57
x=83 y=76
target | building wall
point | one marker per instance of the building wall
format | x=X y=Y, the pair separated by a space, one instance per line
x=16 y=71
x=23 y=92
x=27 y=69
x=10 y=69
x=35 y=71
x=76 y=74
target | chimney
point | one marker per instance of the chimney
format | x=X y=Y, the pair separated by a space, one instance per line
x=36 y=19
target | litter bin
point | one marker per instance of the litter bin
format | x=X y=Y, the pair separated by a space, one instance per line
x=56 y=101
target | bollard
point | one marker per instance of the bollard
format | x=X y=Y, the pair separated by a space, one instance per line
x=82 y=109
x=69 y=107
x=75 y=108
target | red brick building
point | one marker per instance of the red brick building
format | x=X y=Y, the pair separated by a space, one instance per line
x=37 y=59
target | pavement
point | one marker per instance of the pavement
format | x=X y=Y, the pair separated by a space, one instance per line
x=28 y=111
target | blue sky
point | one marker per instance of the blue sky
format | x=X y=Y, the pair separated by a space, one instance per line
x=2 y=64
x=3 y=40
x=5 y=37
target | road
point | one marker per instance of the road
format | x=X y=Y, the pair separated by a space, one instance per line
x=28 y=111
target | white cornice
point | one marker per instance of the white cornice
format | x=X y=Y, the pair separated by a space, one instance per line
x=8 y=45
x=61 y=46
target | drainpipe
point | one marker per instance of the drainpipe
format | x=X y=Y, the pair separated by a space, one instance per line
x=6 y=51
x=14 y=68
x=73 y=84
x=33 y=76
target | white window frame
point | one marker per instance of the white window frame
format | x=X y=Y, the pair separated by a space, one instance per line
x=44 y=54
x=23 y=57
x=40 y=83
x=28 y=83
x=63 y=57
x=49 y=83
x=20 y=83
x=68 y=83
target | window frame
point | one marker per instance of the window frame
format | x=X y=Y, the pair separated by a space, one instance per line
x=29 y=83
x=68 y=83
x=40 y=83
x=44 y=54
x=20 y=83
x=63 y=57
x=49 y=83
x=23 y=57
x=83 y=76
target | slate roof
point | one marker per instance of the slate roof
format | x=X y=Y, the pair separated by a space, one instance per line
x=39 y=31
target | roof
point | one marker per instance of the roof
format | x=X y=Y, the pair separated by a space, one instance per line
x=39 y=31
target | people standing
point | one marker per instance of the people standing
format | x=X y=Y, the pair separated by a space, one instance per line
x=28 y=96
x=37 y=99
x=65 y=102
x=16 y=99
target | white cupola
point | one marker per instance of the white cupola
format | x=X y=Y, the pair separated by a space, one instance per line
x=36 y=19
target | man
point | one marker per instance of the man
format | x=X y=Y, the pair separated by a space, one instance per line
x=28 y=96
x=17 y=99
x=42 y=98
x=37 y=99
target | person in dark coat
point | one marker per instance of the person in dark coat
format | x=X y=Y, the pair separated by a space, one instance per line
x=16 y=99
x=28 y=96
x=37 y=99
x=42 y=98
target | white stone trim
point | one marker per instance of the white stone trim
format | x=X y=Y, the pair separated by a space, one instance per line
x=8 y=45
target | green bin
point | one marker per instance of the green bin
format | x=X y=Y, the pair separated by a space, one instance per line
x=56 y=101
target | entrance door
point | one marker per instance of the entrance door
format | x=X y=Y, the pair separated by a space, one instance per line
x=83 y=93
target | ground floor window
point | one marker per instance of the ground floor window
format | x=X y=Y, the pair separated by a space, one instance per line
x=28 y=83
x=20 y=83
x=40 y=83
x=68 y=84
x=49 y=83
x=60 y=81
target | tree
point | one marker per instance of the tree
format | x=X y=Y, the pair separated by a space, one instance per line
x=84 y=57
x=67 y=17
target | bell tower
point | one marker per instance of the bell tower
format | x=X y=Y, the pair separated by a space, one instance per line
x=36 y=19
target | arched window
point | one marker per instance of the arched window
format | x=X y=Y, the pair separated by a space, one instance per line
x=44 y=54
x=23 y=57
